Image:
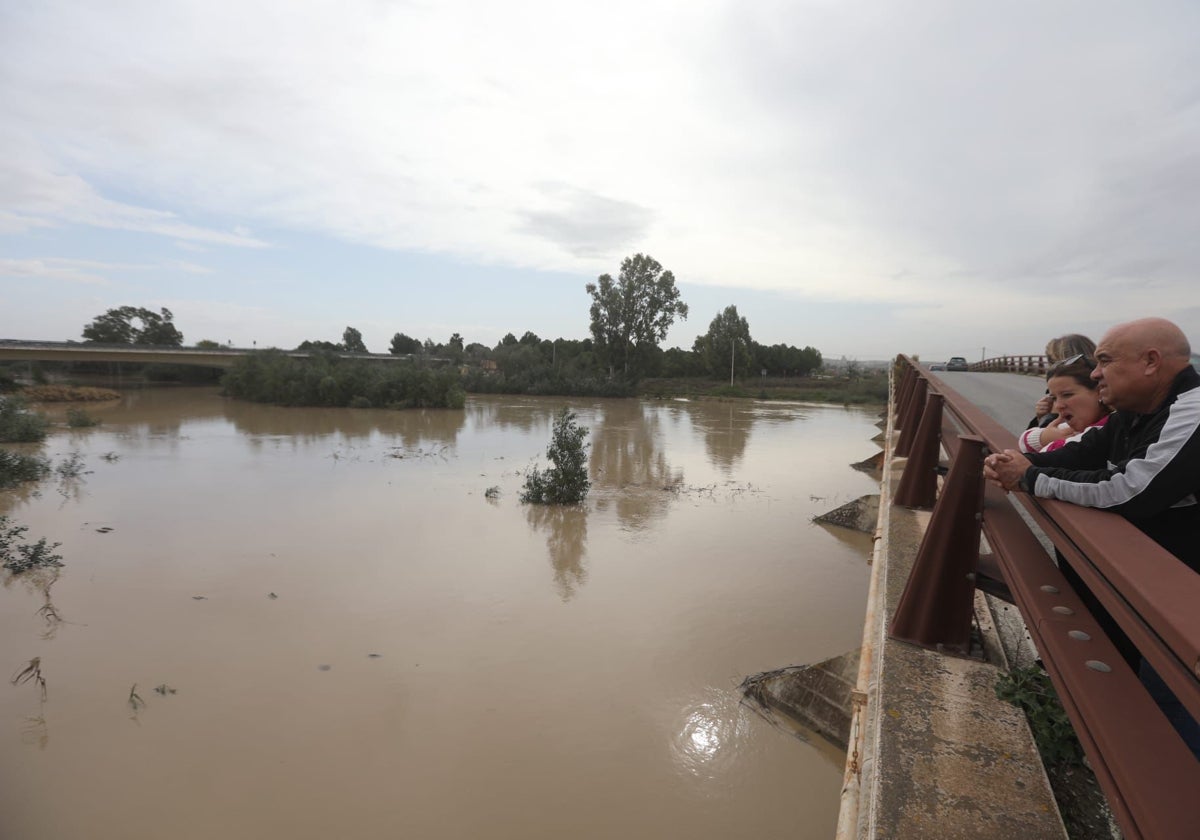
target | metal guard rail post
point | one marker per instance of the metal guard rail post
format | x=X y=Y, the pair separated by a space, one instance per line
x=1148 y=774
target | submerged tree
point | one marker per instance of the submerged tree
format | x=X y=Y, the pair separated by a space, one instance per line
x=631 y=315
x=566 y=483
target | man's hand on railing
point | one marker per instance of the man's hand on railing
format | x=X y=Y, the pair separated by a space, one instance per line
x=1005 y=469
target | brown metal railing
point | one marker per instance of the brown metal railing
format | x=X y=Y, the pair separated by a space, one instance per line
x=1148 y=774
x=1033 y=365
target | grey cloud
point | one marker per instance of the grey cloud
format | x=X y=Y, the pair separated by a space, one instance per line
x=586 y=224
x=1017 y=143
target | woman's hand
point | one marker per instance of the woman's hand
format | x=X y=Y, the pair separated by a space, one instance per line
x=1043 y=406
x=1055 y=431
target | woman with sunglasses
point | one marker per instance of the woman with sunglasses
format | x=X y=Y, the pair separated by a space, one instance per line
x=1075 y=401
x=1057 y=349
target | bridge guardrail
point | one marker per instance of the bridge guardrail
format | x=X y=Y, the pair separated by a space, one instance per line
x=1032 y=365
x=1148 y=774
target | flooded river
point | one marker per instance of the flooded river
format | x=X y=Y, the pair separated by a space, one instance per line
x=353 y=638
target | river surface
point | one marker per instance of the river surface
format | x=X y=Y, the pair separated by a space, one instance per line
x=354 y=639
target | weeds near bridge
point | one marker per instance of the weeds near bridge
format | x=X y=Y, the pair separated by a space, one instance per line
x=1030 y=690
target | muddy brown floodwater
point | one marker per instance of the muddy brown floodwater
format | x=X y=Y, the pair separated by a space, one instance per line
x=353 y=639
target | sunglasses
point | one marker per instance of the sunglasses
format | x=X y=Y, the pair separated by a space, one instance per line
x=1078 y=358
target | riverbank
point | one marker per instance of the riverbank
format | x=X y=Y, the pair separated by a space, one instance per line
x=869 y=390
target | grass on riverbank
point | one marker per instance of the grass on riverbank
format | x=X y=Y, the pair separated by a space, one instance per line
x=68 y=393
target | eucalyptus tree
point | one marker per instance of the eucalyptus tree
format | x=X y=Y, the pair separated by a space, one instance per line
x=632 y=314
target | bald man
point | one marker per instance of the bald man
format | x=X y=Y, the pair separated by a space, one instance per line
x=1145 y=462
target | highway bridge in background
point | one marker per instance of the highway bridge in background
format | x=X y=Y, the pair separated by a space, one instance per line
x=218 y=357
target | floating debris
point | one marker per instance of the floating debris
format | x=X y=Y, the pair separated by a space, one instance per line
x=324 y=667
x=135 y=700
x=374 y=655
x=272 y=595
x=32 y=672
x=492 y=492
x=104 y=530
x=163 y=689
x=199 y=597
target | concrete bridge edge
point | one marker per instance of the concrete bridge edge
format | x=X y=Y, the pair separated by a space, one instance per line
x=932 y=751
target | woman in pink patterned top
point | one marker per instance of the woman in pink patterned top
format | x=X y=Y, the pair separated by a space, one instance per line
x=1076 y=402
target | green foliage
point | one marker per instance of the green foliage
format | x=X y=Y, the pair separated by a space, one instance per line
x=353 y=342
x=16 y=468
x=18 y=424
x=328 y=380
x=566 y=483
x=1030 y=690
x=116 y=327
x=403 y=345
x=633 y=313
x=785 y=360
x=19 y=556
x=725 y=348
x=77 y=418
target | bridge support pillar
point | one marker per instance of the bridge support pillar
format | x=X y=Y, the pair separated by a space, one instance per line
x=904 y=392
x=936 y=607
x=909 y=419
x=918 y=484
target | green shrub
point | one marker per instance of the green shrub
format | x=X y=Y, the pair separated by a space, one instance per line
x=19 y=556
x=16 y=468
x=567 y=481
x=77 y=418
x=1030 y=690
x=326 y=379
x=18 y=424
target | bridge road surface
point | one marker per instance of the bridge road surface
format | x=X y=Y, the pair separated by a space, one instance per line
x=1008 y=398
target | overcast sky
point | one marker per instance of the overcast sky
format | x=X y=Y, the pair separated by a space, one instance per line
x=867 y=178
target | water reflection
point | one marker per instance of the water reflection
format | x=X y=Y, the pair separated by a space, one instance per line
x=726 y=433
x=566 y=540
x=706 y=739
x=414 y=427
x=629 y=467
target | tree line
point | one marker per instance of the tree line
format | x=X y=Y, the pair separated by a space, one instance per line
x=629 y=318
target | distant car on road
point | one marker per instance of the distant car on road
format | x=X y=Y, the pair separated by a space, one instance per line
x=938 y=366
x=957 y=363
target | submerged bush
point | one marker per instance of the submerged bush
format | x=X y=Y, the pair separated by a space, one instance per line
x=325 y=379
x=18 y=424
x=16 y=468
x=77 y=418
x=566 y=483
x=19 y=556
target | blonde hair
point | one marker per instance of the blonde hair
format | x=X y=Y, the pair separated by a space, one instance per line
x=1066 y=346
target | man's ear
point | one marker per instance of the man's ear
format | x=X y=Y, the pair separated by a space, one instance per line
x=1153 y=361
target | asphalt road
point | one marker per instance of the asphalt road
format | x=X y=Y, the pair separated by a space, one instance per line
x=1008 y=397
